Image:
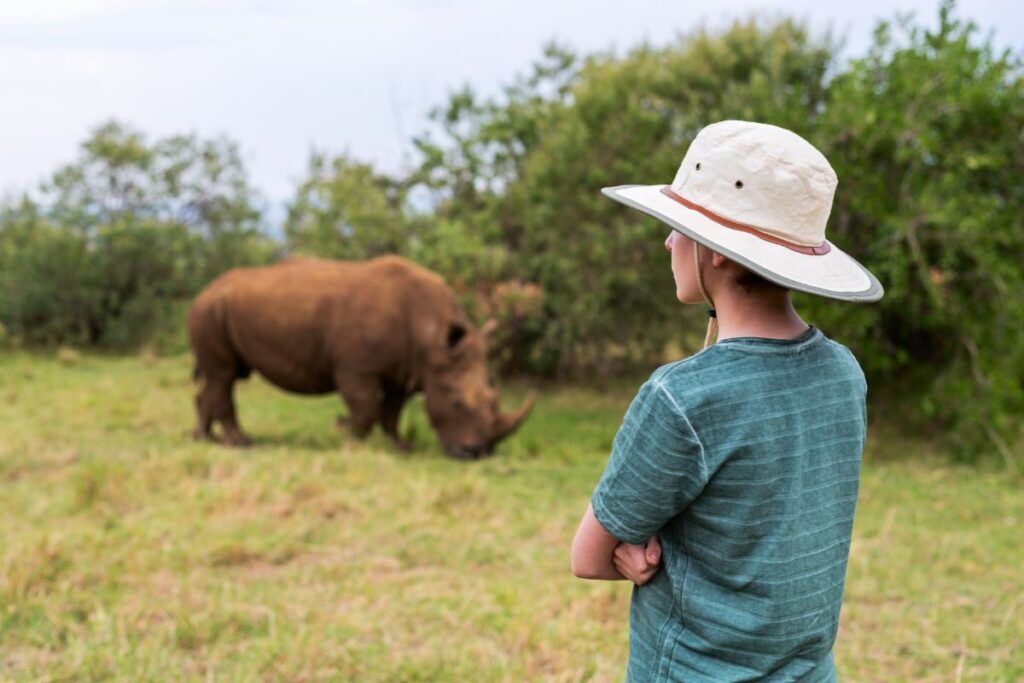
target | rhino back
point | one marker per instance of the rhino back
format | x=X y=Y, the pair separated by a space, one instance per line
x=301 y=321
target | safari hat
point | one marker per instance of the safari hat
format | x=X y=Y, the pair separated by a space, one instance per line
x=759 y=195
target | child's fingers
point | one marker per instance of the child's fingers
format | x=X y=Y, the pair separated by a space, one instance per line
x=623 y=569
x=653 y=551
x=646 y=576
x=629 y=569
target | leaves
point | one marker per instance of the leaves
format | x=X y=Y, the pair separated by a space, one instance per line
x=120 y=234
x=925 y=133
x=345 y=209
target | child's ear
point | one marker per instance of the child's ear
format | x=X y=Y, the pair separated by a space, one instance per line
x=717 y=260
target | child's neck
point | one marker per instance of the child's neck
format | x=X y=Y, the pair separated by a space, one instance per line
x=761 y=314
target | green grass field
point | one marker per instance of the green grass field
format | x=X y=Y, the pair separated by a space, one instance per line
x=128 y=552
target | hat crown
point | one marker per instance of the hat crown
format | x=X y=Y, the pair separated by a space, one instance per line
x=763 y=176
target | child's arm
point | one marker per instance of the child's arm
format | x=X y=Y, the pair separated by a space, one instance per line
x=596 y=554
x=592 y=550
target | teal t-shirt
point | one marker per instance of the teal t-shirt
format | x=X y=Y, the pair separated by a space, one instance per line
x=745 y=459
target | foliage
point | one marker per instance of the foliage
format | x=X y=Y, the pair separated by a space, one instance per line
x=925 y=133
x=629 y=121
x=345 y=209
x=119 y=235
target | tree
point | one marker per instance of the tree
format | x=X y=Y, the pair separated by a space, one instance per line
x=346 y=209
x=118 y=235
x=525 y=171
x=924 y=132
x=925 y=135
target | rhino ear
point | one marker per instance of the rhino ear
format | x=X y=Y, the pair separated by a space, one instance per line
x=488 y=328
x=455 y=334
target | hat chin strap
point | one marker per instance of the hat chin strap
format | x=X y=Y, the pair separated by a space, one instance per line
x=712 y=333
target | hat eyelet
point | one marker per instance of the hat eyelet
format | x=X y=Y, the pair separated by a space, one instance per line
x=698 y=165
x=739 y=184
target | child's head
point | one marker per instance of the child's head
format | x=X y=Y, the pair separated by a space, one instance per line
x=717 y=272
x=761 y=194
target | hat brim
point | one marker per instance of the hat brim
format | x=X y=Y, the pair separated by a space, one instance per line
x=835 y=274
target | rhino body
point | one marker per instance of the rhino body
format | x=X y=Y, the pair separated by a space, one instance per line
x=375 y=331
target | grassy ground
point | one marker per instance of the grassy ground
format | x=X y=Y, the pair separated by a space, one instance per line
x=128 y=552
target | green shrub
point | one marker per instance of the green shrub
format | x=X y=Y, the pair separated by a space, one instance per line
x=116 y=238
x=525 y=170
x=925 y=135
x=345 y=209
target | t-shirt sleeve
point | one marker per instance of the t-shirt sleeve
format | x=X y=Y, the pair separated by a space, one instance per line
x=656 y=468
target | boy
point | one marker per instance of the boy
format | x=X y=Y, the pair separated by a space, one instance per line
x=729 y=495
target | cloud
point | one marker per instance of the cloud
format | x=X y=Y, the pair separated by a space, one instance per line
x=283 y=77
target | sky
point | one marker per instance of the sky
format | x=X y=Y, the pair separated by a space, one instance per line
x=285 y=77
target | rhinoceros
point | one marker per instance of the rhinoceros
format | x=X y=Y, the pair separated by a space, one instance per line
x=376 y=331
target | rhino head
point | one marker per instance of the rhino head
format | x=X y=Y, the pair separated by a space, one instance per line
x=460 y=402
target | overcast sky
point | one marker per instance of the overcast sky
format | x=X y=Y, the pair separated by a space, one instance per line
x=285 y=76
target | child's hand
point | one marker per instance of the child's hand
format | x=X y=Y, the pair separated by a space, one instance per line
x=638 y=563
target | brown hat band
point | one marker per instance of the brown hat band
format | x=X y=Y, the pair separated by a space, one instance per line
x=817 y=250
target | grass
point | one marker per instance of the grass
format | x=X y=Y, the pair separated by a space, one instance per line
x=128 y=552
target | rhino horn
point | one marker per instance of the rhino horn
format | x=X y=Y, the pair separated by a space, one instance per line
x=510 y=422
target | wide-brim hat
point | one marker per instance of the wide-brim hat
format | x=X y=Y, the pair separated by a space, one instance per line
x=759 y=195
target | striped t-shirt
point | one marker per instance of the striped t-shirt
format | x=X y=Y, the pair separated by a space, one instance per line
x=745 y=459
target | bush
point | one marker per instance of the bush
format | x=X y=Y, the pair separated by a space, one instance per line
x=925 y=135
x=345 y=209
x=525 y=171
x=119 y=236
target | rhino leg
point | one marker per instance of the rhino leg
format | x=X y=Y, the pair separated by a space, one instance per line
x=205 y=410
x=362 y=395
x=202 y=432
x=392 y=400
x=216 y=402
